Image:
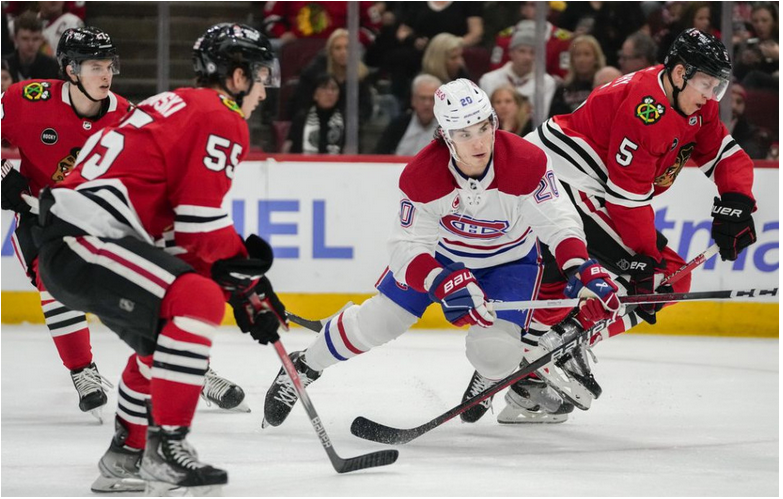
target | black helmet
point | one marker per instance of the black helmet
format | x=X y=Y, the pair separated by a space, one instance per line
x=227 y=46
x=699 y=51
x=80 y=44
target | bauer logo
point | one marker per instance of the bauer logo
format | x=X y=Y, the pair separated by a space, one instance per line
x=49 y=137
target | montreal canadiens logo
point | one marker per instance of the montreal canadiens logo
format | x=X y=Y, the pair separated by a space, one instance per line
x=474 y=229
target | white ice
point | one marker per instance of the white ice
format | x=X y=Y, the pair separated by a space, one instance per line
x=679 y=416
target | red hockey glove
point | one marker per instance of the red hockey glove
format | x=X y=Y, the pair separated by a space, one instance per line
x=591 y=281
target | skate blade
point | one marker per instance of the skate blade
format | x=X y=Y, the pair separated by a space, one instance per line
x=531 y=418
x=163 y=489
x=97 y=413
x=264 y=424
x=103 y=484
x=242 y=407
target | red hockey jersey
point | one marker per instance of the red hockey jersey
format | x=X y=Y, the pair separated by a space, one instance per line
x=161 y=176
x=627 y=144
x=38 y=119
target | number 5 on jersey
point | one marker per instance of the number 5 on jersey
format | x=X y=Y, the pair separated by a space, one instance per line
x=624 y=156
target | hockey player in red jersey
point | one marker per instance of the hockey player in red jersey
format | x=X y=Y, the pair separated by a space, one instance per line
x=626 y=144
x=49 y=120
x=137 y=235
x=473 y=205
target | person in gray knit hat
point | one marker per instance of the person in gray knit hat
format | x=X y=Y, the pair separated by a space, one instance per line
x=519 y=71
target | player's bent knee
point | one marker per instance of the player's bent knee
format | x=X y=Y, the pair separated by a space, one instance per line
x=194 y=296
x=494 y=352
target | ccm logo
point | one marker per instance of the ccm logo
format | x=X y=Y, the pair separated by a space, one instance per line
x=725 y=211
x=456 y=282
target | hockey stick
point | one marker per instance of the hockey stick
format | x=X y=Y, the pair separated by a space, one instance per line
x=640 y=299
x=370 y=430
x=305 y=323
x=371 y=460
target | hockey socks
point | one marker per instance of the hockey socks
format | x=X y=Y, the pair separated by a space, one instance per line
x=69 y=332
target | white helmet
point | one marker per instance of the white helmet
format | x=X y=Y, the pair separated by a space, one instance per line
x=460 y=104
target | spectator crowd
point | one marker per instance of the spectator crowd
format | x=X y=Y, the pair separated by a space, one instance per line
x=409 y=48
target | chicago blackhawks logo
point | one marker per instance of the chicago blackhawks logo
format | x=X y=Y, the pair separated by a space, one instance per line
x=649 y=111
x=312 y=19
x=36 y=91
x=670 y=175
x=65 y=165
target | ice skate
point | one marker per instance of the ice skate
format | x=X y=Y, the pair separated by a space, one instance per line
x=119 y=466
x=530 y=400
x=91 y=387
x=478 y=384
x=281 y=396
x=223 y=393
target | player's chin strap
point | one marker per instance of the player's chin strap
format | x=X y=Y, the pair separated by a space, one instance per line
x=676 y=92
x=79 y=85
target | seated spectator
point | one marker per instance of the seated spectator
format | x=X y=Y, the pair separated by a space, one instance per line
x=443 y=58
x=320 y=129
x=410 y=132
x=514 y=111
x=27 y=62
x=609 y=22
x=55 y=21
x=398 y=53
x=557 y=42
x=334 y=61
x=519 y=70
x=586 y=58
x=605 y=75
x=287 y=21
x=755 y=142
x=639 y=51
x=7 y=79
x=758 y=64
x=693 y=15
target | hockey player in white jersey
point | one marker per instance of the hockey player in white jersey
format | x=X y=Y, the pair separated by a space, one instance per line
x=473 y=205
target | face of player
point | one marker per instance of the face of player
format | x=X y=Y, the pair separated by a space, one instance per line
x=256 y=94
x=96 y=77
x=474 y=147
x=28 y=43
x=698 y=91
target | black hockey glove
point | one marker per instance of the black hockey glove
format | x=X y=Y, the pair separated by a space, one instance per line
x=260 y=312
x=732 y=225
x=13 y=185
x=642 y=270
x=237 y=275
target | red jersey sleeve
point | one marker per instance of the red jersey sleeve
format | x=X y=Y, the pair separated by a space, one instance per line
x=631 y=166
x=198 y=182
x=720 y=158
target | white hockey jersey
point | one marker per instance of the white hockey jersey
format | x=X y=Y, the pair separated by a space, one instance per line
x=482 y=222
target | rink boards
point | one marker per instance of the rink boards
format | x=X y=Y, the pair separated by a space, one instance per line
x=329 y=218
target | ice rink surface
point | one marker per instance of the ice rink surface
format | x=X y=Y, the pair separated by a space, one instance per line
x=678 y=416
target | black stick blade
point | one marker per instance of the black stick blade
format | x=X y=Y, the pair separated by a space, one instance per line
x=372 y=460
x=305 y=323
x=370 y=430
